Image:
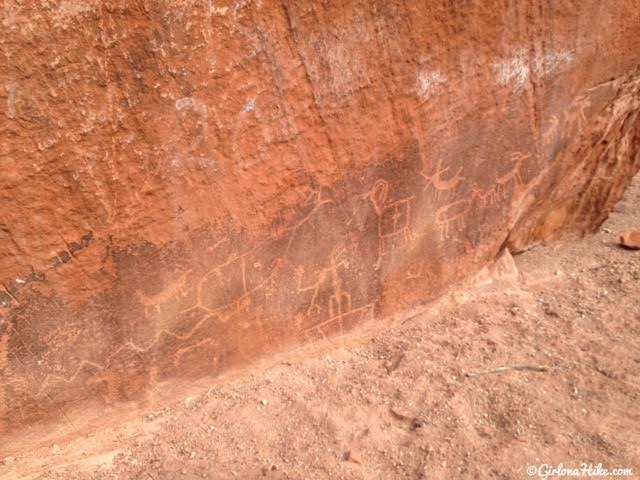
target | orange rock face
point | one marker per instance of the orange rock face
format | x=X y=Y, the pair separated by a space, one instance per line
x=187 y=186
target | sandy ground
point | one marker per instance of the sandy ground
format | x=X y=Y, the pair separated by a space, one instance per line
x=540 y=367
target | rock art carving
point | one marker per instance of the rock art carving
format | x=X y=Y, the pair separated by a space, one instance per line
x=442 y=181
x=352 y=178
x=394 y=219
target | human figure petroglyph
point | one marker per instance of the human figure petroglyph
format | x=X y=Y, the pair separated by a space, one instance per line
x=394 y=219
x=332 y=303
x=192 y=333
x=340 y=299
x=191 y=317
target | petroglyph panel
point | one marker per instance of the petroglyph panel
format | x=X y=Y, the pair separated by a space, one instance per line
x=189 y=187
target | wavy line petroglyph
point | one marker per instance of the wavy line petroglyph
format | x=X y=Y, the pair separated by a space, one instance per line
x=177 y=288
x=167 y=294
x=338 y=306
x=177 y=359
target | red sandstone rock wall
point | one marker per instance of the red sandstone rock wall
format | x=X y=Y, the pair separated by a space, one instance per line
x=189 y=185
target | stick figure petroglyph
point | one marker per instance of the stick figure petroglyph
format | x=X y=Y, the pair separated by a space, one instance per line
x=340 y=301
x=394 y=219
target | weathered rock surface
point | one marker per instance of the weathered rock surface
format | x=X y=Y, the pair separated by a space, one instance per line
x=188 y=185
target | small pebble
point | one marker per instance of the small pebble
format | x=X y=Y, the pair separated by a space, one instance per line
x=353 y=456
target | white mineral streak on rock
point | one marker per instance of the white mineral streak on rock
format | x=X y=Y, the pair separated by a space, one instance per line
x=249 y=106
x=514 y=70
x=428 y=81
x=517 y=70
